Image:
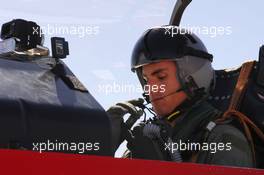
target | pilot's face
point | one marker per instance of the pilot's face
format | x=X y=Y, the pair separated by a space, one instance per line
x=164 y=76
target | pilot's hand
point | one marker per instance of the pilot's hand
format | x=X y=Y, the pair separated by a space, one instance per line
x=116 y=114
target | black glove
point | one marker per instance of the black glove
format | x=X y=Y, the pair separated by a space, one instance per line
x=116 y=114
x=143 y=147
x=150 y=141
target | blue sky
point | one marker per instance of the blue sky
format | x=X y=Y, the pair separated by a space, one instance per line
x=101 y=56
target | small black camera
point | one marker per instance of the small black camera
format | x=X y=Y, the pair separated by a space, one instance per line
x=60 y=47
x=27 y=33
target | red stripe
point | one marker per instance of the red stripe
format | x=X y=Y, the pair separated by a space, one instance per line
x=34 y=163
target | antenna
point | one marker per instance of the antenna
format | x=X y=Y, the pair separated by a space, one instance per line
x=178 y=11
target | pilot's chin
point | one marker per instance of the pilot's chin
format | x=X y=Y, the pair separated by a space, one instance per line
x=160 y=113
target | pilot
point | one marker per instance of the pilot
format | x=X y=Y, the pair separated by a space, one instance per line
x=183 y=129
